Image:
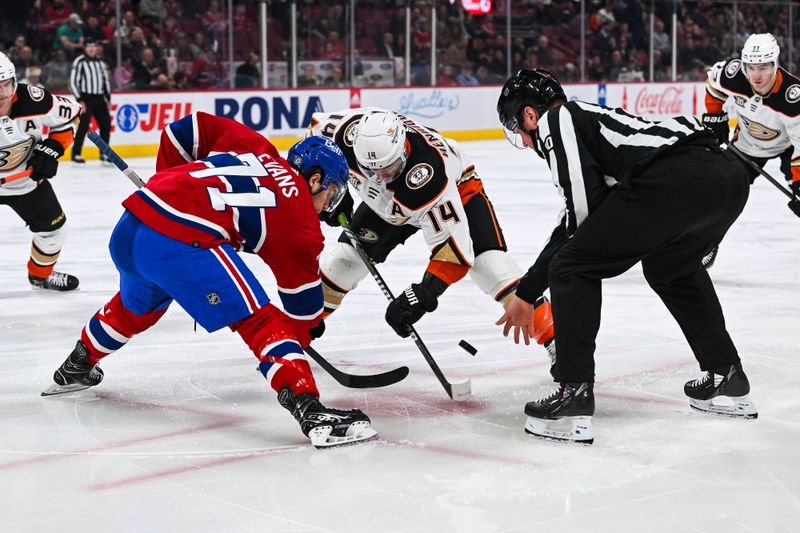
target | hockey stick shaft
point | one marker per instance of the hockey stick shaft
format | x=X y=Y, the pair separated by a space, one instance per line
x=118 y=162
x=354 y=381
x=14 y=177
x=456 y=391
x=760 y=170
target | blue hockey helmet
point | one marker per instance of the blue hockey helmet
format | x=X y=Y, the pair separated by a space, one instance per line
x=318 y=154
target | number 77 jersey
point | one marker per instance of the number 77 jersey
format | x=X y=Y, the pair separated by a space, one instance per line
x=239 y=191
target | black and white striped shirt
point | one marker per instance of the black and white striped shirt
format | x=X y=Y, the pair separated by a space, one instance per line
x=89 y=76
x=590 y=149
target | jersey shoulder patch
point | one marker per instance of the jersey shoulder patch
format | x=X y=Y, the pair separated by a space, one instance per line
x=346 y=135
x=789 y=101
x=424 y=177
x=344 y=138
x=734 y=80
x=31 y=101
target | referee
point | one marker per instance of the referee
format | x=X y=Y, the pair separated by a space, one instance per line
x=659 y=193
x=89 y=83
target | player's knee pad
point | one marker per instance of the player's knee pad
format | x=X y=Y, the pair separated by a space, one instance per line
x=496 y=274
x=50 y=242
x=342 y=270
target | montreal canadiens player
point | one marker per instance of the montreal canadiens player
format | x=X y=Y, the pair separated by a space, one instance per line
x=220 y=188
x=411 y=178
x=25 y=112
x=765 y=99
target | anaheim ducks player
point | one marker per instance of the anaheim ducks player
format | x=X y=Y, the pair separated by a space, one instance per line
x=24 y=112
x=410 y=178
x=766 y=100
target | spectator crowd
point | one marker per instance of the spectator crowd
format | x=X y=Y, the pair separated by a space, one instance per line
x=184 y=44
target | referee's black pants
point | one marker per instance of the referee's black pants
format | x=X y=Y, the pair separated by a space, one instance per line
x=95 y=107
x=667 y=217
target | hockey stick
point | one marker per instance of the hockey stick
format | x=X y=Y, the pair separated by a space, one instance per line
x=354 y=381
x=348 y=380
x=112 y=156
x=456 y=391
x=794 y=203
x=15 y=177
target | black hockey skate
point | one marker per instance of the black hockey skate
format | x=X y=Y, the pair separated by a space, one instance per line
x=326 y=427
x=76 y=373
x=564 y=415
x=57 y=281
x=722 y=391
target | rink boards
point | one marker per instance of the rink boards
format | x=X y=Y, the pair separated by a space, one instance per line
x=462 y=113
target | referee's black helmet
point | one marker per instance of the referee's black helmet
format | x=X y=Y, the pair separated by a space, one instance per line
x=536 y=88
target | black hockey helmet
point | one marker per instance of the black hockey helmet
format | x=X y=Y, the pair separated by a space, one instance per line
x=536 y=88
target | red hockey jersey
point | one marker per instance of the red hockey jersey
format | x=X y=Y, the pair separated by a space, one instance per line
x=217 y=182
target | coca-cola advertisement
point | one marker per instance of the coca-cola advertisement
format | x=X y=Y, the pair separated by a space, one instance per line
x=656 y=100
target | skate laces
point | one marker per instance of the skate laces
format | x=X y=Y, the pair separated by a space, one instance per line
x=702 y=380
x=715 y=377
x=58 y=279
x=552 y=396
x=551 y=351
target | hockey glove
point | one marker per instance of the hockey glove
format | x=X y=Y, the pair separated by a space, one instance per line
x=409 y=307
x=317 y=331
x=345 y=207
x=718 y=124
x=44 y=161
x=794 y=203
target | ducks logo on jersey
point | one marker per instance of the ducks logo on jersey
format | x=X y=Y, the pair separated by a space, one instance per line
x=14 y=155
x=758 y=131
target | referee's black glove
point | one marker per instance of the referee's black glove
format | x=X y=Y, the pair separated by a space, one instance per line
x=44 y=160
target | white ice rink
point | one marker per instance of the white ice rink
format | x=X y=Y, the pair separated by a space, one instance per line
x=184 y=435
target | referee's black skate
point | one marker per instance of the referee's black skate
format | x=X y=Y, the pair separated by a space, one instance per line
x=76 y=373
x=57 y=281
x=326 y=427
x=722 y=391
x=565 y=415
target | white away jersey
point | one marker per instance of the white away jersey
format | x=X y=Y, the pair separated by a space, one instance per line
x=768 y=125
x=425 y=195
x=33 y=109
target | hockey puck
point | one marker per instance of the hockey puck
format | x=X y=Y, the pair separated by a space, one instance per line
x=468 y=347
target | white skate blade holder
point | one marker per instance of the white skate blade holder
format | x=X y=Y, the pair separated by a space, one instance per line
x=55 y=389
x=357 y=432
x=567 y=429
x=734 y=406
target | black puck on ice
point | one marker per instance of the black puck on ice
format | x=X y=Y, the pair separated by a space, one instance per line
x=467 y=346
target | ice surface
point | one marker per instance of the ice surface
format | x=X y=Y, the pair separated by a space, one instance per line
x=184 y=434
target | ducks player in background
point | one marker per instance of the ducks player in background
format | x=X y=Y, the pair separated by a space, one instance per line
x=410 y=178
x=25 y=111
x=220 y=188
x=765 y=99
